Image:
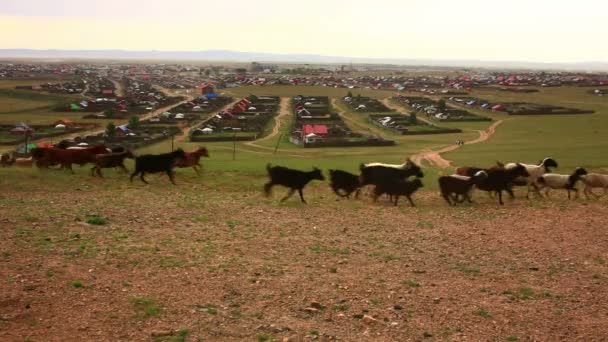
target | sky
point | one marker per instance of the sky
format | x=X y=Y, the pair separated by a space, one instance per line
x=492 y=30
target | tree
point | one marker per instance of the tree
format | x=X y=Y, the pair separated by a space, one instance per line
x=133 y=122
x=413 y=119
x=111 y=130
x=350 y=94
x=109 y=113
x=441 y=105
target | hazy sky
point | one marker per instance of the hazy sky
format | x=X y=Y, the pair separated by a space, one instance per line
x=519 y=30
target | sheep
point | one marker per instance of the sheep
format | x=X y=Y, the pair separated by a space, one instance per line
x=594 y=180
x=457 y=185
x=534 y=171
x=343 y=181
x=293 y=179
x=500 y=180
x=558 y=181
x=375 y=173
x=398 y=187
x=110 y=160
x=151 y=163
x=470 y=171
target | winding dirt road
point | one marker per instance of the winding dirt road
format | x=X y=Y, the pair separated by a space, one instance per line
x=434 y=156
x=284 y=110
x=186 y=130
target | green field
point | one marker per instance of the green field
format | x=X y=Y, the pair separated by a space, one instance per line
x=574 y=140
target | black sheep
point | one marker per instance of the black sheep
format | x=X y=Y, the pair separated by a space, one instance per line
x=343 y=183
x=154 y=163
x=456 y=185
x=293 y=179
x=398 y=188
x=377 y=174
x=500 y=180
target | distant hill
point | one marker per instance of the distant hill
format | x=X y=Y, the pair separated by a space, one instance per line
x=240 y=56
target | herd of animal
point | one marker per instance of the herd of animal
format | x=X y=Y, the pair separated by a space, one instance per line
x=386 y=179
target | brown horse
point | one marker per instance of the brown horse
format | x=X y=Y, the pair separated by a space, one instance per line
x=192 y=159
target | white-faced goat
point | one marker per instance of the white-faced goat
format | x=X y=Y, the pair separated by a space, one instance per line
x=290 y=178
x=557 y=181
x=398 y=187
x=457 y=188
x=376 y=173
x=595 y=180
x=534 y=172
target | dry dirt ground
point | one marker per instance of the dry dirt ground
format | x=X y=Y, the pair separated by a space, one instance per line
x=105 y=260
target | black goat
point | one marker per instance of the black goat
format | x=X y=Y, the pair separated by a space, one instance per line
x=111 y=160
x=457 y=185
x=293 y=179
x=377 y=174
x=154 y=163
x=343 y=183
x=396 y=188
x=500 y=180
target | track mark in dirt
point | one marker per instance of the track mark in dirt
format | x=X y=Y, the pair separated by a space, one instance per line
x=434 y=157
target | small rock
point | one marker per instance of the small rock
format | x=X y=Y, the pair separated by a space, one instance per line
x=159 y=333
x=533 y=268
x=311 y=310
x=367 y=319
x=316 y=305
x=358 y=316
x=394 y=324
x=436 y=299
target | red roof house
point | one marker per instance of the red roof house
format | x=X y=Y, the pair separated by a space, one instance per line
x=316 y=129
x=206 y=89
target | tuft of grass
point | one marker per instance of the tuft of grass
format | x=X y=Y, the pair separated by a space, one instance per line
x=316 y=248
x=333 y=270
x=209 y=308
x=264 y=337
x=411 y=283
x=145 y=307
x=340 y=307
x=512 y=338
x=525 y=293
x=467 y=269
x=96 y=220
x=483 y=313
x=76 y=284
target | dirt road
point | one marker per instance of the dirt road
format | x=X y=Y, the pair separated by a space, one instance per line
x=435 y=158
x=186 y=130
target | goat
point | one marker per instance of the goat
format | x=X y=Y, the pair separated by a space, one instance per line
x=398 y=187
x=456 y=185
x=6 y=160
x=375 y=173
x=343 y=181
x=470 y=171
x=557 y=181
x=500 y=180
x=111 y=160
x=595 y=180
x=290 y=178
x=49 y=156
x=154 y=163
x=192 y=159
x=534 y=172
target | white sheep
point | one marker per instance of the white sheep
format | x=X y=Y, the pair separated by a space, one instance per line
x=594 y=180
x=557 y=181
x=534 y=171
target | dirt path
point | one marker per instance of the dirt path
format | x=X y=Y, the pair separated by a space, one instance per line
x=401 y=109
x=120 y=88
x=186 y=130
x=284 y=110
x=435 y=158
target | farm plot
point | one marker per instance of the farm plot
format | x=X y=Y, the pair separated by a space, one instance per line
x=246 y=120
x=316 y=126
x=598 y=92
x=7 y=137
x=516 y=108
x=74 y=87
x=407 y=124
x=130 y=136
x=364 y=104
x=438 y=110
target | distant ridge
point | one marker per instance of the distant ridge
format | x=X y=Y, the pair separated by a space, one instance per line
x=240 y=56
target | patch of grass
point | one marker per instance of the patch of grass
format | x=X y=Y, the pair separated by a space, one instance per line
x=313 y=333
x=96 y=220
x=467 y=269
x=209 y=308
x=264 y=337
x=512 y=338
x=145 y=307
x=333 y=270
x=340 y=307
x=525 y=293
x=169 y=262
x=376 y=301
x=76 y=284
x=316 y=248
x=411 y=283
x=483 y=313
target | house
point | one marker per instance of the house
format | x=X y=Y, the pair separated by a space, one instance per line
x=499 y=108
x=108 y=92
x=206 y=89
x=316 y=130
